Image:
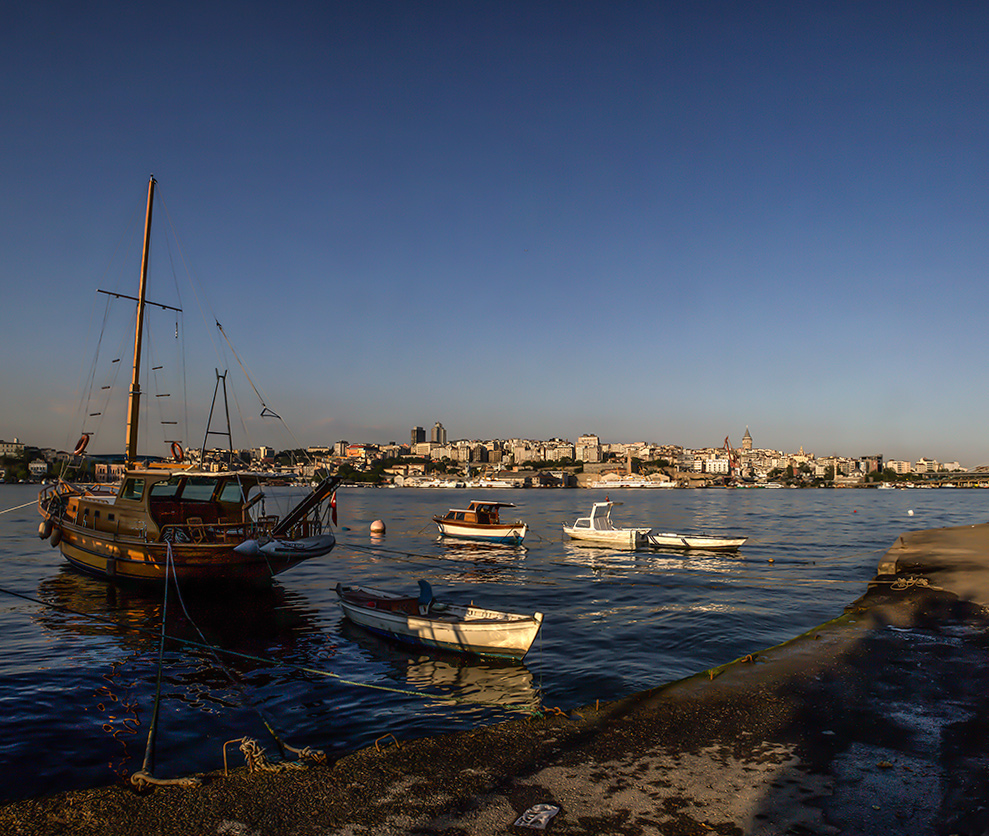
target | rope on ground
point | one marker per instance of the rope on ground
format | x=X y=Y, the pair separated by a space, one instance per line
x=906 y=583
x=256 y=759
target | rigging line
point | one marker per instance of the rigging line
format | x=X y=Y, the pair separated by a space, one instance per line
x=250 y=657
x=266 y=411
x=192 y=283
x=91 y=377
x=246 y=374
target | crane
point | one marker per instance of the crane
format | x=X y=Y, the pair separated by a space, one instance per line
x=732 y=461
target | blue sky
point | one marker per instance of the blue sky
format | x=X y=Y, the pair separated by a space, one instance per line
x=650 y=221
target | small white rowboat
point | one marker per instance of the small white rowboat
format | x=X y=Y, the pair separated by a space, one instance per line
x=669 y=540
x=423 y=621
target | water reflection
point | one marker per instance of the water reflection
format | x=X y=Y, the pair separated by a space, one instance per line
x=261 y=626
x=474 y=550
x=465 y=679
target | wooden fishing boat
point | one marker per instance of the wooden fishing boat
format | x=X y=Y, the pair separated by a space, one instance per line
x=166 y=517
x=670 y=540
x=420 y=620
x=481 y=521
x=597 y=529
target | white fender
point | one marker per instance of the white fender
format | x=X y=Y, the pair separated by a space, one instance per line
x=249 y=548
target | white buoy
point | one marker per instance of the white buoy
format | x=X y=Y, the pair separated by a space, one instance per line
x=378 y=527
x=910 y=512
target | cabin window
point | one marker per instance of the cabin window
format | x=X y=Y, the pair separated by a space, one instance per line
x=232 y=492
x=165 y=490
x=459 y=515
x=199 y=488
x=111 y=517
x=132 y=489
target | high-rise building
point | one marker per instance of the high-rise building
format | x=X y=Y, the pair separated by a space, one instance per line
x=418 y=435
x=439 y=434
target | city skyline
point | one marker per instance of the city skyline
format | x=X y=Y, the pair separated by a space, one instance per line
x=662 y=221
x=418 y=437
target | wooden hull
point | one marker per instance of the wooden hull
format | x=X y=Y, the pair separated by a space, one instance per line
x=669 y=540
x=129 y=559
x=476 y=531
x=460 y=629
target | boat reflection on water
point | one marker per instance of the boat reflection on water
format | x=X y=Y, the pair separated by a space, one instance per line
x=651 y=559
x=265 y=622
x=477 y=562
x=600 y=558
x=488 y=683
x=474 y=550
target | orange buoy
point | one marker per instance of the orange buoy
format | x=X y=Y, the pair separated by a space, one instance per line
x=81 y=444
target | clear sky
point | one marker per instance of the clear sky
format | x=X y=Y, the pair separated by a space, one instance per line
x=658 y=221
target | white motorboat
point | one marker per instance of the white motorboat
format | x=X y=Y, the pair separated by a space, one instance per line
x=599 y=530
x=670 y=540
x=423 y=621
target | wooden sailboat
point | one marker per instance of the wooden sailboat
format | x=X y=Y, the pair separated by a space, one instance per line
x=167 y=518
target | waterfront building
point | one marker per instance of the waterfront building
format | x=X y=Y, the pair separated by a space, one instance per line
x=439 y=434
x=871 y=464
x=900 y=468
x=588 y=448
x=13 y=448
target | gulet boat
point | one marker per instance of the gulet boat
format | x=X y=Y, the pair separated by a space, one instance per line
x=166 y=518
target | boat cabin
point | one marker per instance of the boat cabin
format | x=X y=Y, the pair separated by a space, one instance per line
x=600 y=518
x=182 y=506
x=478 y=513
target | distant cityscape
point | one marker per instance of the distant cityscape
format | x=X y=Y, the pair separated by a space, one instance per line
x=517 y=462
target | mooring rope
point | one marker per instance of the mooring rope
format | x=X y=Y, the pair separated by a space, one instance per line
x=145 y=775
x=314 y=755
x=423 y=695
x=18 y=507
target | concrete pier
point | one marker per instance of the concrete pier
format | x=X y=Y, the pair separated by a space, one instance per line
x=873 y=723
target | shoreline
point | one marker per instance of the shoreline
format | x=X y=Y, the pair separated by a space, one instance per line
x=872 y=722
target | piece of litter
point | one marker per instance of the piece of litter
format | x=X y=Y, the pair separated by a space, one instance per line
x=537 y=816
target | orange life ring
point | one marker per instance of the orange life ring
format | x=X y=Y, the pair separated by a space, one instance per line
x=81 y=444
x=177 y=452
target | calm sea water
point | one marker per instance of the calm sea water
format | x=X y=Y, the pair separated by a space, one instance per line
x=77 y=671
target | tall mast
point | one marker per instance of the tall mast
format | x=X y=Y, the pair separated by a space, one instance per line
x=134 y=399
